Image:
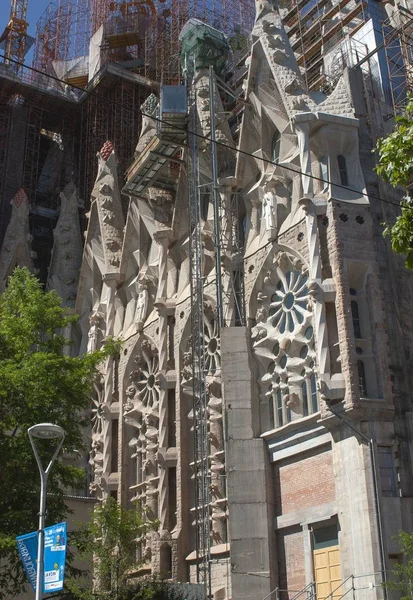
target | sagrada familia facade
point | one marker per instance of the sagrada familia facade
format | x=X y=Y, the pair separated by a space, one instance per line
x=308 y=416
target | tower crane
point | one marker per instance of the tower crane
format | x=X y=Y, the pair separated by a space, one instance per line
x=15 y=35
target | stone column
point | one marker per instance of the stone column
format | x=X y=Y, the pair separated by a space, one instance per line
x=226 y=241
x=162 y=237
x=302 y=129
x=110 y=281
x=315 y=277
x=217 y=461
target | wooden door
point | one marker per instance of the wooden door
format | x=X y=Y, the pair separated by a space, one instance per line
x=327 y=572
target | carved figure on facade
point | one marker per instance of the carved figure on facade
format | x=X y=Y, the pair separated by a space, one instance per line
x=269 y=203
x=95 y=331
x=141 y=305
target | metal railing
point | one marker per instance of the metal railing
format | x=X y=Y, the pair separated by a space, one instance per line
x=337 y=594
x=309 y=590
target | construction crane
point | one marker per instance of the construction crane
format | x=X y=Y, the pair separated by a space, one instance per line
x=15 y=35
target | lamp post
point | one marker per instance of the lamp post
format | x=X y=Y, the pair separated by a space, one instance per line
x=43 y=431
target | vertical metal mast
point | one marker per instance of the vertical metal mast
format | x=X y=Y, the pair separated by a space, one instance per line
x=215 y=199
x=200 y=399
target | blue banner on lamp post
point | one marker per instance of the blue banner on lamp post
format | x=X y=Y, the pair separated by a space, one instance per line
x=55 y=541
x=54 y=557
x=27 y=547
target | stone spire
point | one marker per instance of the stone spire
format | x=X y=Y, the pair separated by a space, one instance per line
x=16 y=249
x=106 y=198
x=67 y=248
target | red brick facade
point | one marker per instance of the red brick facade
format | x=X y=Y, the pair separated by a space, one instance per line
x=304 y=482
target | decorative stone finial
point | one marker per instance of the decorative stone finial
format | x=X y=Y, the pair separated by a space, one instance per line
x=106 y=150
x=263 y=7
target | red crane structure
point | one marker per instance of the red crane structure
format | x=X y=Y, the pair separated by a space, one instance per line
x=15 y=35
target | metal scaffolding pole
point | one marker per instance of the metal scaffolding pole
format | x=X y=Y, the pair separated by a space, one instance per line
x=200 y=395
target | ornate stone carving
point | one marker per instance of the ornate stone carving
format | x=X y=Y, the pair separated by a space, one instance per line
x=95 y=331
x=161 y=202
x=106 y=196
x=285 y=353
x=67 y=247
x=16 y=245
x=141 y=305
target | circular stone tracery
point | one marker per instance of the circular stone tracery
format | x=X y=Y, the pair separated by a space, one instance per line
x=288 y=304
x=147 y=386
x=283 y=343
x=212 y=345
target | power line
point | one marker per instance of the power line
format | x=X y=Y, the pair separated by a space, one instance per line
x=296 y=171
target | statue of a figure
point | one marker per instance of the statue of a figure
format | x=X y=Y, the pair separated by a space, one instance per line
x=93 y=333
x=141 y=305
x=269 y=203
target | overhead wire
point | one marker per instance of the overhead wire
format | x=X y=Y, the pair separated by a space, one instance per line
x=294 y=170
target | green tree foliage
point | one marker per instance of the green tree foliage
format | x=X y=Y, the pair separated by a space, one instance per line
x=39 y=383
x=110 y=539
x=396 y=167
x=402 y=576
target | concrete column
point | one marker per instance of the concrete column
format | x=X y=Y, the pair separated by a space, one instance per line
x=248 y=475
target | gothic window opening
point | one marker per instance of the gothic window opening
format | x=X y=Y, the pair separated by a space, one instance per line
x=275 y=147
x=280 y=416
x=114 y=447
x=356 y=319
x=387 y=471
x=324 y=174
x=171 y=347
x=166 y=561
x=313 y=387
x=361 y=372
x=205 y=198
x=171 y=419
x=342 y=168
x=172 y=506
x=305 y=398
x=271 y=407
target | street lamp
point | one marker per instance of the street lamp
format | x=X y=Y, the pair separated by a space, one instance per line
x=43 y=431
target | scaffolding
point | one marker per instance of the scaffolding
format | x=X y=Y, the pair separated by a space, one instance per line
x=110 y=112
x=142 y=34
x=315 y=28
x=199 y=391
x=16 y=33
x=398 y=44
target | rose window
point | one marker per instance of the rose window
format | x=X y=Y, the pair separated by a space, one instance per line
x=283 y=342
x=288 y=305
x=147 y=383
x=212 y=346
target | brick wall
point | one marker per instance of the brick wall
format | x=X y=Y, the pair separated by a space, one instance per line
x=220 y=577
x=291 y=561
x=302 y=483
